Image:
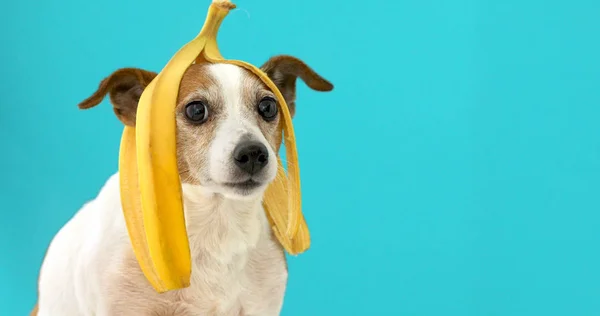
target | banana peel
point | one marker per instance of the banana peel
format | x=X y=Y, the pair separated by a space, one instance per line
x=151 y=192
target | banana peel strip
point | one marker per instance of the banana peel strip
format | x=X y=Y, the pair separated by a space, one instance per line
x=151 y=191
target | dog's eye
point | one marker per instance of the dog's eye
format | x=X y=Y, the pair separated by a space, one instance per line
x=196 y=112
x=267 y=108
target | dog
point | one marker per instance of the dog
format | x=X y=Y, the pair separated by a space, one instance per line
x=228 y=136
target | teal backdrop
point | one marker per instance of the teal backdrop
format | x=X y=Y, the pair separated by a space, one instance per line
x=454 y=170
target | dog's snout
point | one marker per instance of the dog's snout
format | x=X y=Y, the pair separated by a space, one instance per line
x=251 y=156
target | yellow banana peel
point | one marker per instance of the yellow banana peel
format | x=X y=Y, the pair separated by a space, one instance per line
x=151 y=191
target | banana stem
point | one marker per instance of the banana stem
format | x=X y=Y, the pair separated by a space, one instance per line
x=217 y=12
x=224 y=4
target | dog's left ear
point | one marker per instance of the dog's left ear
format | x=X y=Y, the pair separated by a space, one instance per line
x=283 y=71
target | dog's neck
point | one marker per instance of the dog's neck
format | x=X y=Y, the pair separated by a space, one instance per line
x=220 y=227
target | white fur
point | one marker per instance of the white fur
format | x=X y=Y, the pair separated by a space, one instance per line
x=238 y=267
x=238 y=124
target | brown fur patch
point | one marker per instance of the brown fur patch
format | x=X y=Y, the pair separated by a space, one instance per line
x=35 y=311
x=193 y=141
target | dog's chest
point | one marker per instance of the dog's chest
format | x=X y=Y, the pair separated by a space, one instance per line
x=221 y=249
x=238 y=269
x=228 y=271
x=252 y=284
x=215 y=287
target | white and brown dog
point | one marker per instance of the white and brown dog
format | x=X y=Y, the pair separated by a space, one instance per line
x=228 y=135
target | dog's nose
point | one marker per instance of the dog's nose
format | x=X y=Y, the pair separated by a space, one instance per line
x=251 y=156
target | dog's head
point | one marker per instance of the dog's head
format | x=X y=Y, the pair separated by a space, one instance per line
x=228 y=121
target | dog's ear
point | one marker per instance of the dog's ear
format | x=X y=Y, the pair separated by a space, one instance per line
x=125 y=86
x=283 y=71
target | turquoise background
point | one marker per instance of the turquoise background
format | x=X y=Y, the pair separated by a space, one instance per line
x=454 y=170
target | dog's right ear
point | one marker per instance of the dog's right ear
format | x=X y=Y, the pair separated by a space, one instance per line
x=125 y=86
